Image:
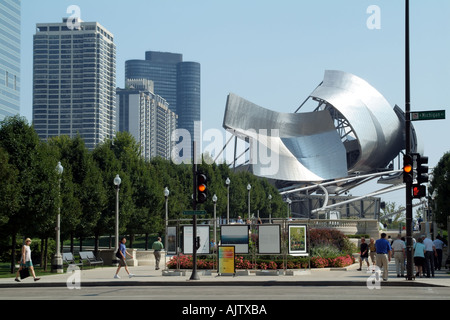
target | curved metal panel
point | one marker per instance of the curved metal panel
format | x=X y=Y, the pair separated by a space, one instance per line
x=307 y=147
x=354 y=128
x=375 y=124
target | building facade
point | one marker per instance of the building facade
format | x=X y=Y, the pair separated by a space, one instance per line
x=175 y=80
x=10 y=23
x=74 y=81
x=147 y=117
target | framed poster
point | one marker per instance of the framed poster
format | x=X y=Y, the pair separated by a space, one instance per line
x=202 y=232
x=235 y=235
x=297 y=240
x=269 y=239
x=171 y=240
x=225 y=260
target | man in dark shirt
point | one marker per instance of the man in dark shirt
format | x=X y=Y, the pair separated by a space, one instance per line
x=364 y=253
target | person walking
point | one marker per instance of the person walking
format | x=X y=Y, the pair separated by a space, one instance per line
x=398 y=248
x=363 y=253
x=25 y=260
x=430 y=253
x=157 y=247
x=384 y=252
x=373 y=251
x=419 y=256
x=439 y=245
x=121 y=254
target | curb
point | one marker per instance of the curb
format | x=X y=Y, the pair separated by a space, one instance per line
x=200 y=283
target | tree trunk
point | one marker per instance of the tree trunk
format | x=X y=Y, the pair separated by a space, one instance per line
x=46 y=254
x=13 y=252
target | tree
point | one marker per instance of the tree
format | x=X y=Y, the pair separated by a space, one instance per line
x=20 y=141
x=440 y=189
x=396 y=215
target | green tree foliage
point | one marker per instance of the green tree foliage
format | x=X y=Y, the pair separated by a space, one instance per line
x=32 y=192
x=440 y=187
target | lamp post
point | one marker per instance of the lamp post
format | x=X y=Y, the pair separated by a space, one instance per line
x=117 y=182
x=249 y=187
x=214 y=199
x=270 y=208
x=166 y=196
x=227 y=182
x=57 y=264
x=288 y=201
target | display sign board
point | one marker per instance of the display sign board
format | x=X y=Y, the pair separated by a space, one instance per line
x=226 y=264
x=202 y=232
x=297 y=240
x=171 y=240
x=235 y=235
x=269 y=239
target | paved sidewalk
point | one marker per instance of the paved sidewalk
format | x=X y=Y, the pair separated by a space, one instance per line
x=147 y=276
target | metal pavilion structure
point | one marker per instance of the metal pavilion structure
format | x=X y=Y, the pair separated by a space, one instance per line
x=352 y=136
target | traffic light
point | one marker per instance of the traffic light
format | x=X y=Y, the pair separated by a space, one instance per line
x=407 y=168
x=420 y=176
x=419 y=191
x=422 y=169
x=202 y=188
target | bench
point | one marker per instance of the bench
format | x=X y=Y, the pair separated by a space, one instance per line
x=70 y=260
x=89 y=257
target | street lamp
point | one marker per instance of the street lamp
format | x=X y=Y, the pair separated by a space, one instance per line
x=166 y=195
x=289 y=201
x=117 y=182
x=270 y=208
x=249 y=187
x=227 y=182
x=57 y=265
x=214 y=199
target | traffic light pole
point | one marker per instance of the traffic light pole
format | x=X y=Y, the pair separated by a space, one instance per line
x=409 y=240
x=194 y=275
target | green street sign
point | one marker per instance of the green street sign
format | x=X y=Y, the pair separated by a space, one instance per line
x=428 y=115
x=194 y=212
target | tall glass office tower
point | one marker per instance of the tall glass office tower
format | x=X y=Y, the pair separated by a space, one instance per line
x=176 y=81
x=9 y=58
x=74 y=83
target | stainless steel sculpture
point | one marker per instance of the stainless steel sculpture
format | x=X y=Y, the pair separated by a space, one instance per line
x=352 y=129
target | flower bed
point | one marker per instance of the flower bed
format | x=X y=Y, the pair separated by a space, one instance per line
x=241 y=262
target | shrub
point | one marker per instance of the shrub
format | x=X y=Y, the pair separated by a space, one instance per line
x=330 y=237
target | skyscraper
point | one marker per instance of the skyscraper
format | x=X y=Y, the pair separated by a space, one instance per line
x=176 y=81
x=10 y=21
x=147 y=117
x=74 y=81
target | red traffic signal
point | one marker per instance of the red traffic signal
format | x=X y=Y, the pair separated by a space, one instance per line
x=419 y=191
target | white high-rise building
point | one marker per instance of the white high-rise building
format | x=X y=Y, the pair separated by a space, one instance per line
x=147 y=117
x=10 y=22
x=74 y=81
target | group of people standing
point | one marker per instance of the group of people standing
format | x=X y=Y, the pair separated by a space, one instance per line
x=427 y=254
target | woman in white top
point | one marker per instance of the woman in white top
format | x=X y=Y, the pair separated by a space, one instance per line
x=25 y=260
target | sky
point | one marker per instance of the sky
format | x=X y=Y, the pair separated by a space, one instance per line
x=275 y=53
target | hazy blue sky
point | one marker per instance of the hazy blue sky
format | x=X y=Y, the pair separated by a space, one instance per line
x=274 y=53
